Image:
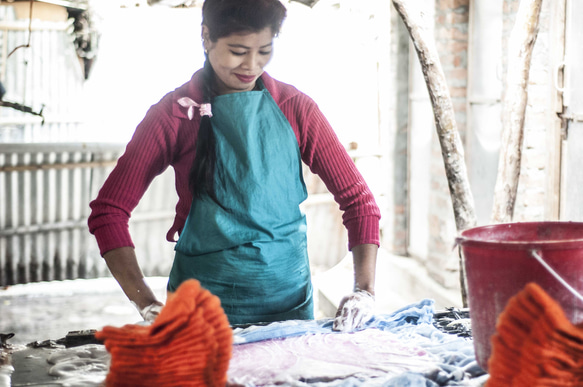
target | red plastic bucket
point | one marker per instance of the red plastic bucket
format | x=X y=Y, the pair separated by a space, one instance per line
x=501 y=259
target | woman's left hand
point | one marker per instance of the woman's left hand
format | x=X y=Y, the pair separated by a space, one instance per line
x=354 y=311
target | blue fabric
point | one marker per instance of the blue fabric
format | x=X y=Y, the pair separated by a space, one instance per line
x=456 y=365
x=253 y=255
x=404 y=318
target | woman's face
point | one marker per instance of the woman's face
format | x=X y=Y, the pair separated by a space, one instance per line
x=238 y=59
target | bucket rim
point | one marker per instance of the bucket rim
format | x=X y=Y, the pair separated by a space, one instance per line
x=462 y=239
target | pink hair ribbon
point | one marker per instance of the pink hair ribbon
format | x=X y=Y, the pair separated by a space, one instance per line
x=205 y=108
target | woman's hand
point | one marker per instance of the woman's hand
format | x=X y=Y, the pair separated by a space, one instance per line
x=354 y=311
x=150 y=312
x=123 y=265
x=358 y=307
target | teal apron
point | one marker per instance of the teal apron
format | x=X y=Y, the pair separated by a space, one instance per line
x=253 y=256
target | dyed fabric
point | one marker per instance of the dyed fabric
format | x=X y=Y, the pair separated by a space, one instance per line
x=189 y=344
x=535 y=344
x=398 y=349
x=166 y=137
x=370 y=353
x=254 y=256
x=417 y=314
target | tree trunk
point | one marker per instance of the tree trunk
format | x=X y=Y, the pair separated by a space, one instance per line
x=449 y=140
x=520 y=45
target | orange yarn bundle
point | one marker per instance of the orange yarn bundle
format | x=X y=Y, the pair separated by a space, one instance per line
x=189 y=344
x=535 y=344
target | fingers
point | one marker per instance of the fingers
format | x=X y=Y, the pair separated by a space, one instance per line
x=343 y=315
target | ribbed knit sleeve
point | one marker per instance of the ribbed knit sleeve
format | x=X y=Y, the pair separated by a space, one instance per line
x=322 y=151
x=165 y=137
x=147 y=155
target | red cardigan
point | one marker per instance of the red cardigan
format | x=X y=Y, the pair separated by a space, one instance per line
x=167 y=137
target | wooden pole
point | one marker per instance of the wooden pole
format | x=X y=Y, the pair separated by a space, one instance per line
x=449 y=140
x=520 y=46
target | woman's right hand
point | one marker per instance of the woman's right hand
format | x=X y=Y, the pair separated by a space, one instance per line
x=150 y=312
x=123 y=265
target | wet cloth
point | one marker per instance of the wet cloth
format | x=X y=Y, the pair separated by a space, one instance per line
x=250 y=249
x=189 y=344
x=535 y=344
x=398 y=349
x=417 y=314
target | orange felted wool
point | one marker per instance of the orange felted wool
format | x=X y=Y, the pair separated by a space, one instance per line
x=189 y=344
x=535 y=344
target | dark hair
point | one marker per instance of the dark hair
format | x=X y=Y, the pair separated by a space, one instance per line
x=226 y=17
x=223 y=18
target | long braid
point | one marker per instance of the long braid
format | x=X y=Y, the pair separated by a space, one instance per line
x=202 y=173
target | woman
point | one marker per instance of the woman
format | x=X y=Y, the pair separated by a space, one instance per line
x=236 y=138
